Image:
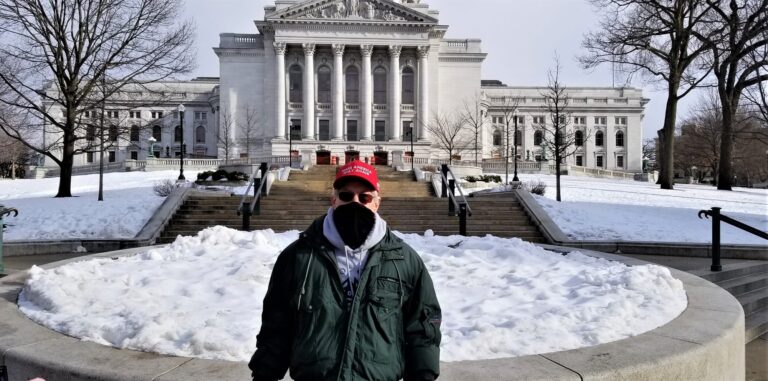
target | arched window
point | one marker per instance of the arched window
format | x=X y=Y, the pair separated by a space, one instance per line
x=157 y=133
x=134 y=133
x=295 y=83
x=619 y=139
x=200 y=134
x=496 y=137
x=579 y=139
x=408 y=85
x=324 y=84
x=112 y=133
x=538 y=138
x=379 y=86
x=599 y=139
x=518 y=137
x=352 y=79
x=177 y=134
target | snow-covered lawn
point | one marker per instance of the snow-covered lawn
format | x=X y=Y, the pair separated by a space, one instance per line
x=129 y=203
x=607 y=209
x=202 y=296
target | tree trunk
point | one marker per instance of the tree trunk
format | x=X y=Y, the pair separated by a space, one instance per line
x=667 y=175
x=13 y=170
x=660 y=154
x=557 y=175
x=65 y=169
x=725 y=174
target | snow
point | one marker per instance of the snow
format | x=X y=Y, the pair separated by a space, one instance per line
x=608 y=209
x=201 y=296
x=129 y=202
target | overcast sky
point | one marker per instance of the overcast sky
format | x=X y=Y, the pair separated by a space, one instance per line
x=520 y=37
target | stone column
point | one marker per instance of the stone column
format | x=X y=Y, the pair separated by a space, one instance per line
x=423 y=112
x=394 y=92
x=308 y=127
x=280 y=88
x=367 y=106
x=338 y=92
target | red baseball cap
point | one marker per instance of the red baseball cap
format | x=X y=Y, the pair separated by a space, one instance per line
x=359 y=171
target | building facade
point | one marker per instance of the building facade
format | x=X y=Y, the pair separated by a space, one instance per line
x=334 y=80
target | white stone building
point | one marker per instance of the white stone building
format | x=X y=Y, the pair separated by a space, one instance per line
x=335 y=79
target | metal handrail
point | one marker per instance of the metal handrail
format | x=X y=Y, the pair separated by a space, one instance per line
x=453 y=202
x=255 y=206
x=718 y=217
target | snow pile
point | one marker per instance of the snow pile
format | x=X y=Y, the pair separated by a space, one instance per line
x=611 y=209
x=129 y=202
x=202 y=296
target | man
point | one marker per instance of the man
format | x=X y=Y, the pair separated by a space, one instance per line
x=349 y=300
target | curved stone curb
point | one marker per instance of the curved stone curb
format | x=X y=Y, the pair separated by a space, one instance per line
x=706 y=342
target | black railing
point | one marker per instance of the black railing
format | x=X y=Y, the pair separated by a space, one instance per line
x=718 y=217
x=454 y=203
x=258 y=183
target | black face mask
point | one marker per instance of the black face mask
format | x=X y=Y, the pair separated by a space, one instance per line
x=353 y=222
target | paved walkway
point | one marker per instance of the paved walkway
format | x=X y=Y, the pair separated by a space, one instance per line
x=756 y=351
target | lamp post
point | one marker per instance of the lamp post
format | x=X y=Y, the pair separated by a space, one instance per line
x=290 y=145
x=514 y=178
x=181 y=145
x=413 y=154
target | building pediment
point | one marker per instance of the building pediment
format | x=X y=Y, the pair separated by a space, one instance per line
x=361 y=11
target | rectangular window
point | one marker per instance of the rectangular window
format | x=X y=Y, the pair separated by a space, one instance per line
x=352 y=130
x=380 y=132
x=134 y=114
x=599 y=161
x=134 y=155
x=157 y=114
x=621 y=120
x=601 y=120
x=620 y=161
x=201 y=115
x=580 y=120
x=408 y=130
x=295 y=129
x=113 y=114
x=325 y=130
x=86 y=114
x=89 y=157
x=539 y=119
x=111 y=156
x=520 y=120
x=579 y=161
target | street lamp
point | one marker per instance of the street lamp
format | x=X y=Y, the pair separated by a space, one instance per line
x=181 y=145
x=514 y=178
x=410 y=135
x=290 y=145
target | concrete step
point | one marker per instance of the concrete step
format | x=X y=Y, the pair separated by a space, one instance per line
x=745 y=284
x=174 y=232
x=756 y=324
x=736 y=270
x=754 y=300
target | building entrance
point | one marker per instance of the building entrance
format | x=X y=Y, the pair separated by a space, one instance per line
x=350 y=156
x=323 y=157
x=380 y=158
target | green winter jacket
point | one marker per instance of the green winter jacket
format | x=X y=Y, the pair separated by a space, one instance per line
x=390 y=331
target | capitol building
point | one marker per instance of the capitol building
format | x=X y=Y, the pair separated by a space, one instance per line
x=334 y=80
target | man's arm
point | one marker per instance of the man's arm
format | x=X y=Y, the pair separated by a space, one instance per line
x=274 y=341
x=422 y=318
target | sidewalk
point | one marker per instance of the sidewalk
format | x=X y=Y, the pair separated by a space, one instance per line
x=20 y=263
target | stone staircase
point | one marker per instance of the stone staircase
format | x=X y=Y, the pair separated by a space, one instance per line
x=407 y=206
x=748 y=282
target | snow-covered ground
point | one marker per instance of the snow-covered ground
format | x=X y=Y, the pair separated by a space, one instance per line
x=201 y=296
x=608 y=209
x=129 y=203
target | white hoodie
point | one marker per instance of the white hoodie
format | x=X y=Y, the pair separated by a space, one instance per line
x=352 y=262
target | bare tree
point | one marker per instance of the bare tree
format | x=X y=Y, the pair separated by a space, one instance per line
x=448 y=134
x=556 y=134
x=736 y=35
x=653 y=38
x=649 y=154
x=225 y=139
x=13 y=154
x=474 y=118
x=58 y=52
x=249 y=127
